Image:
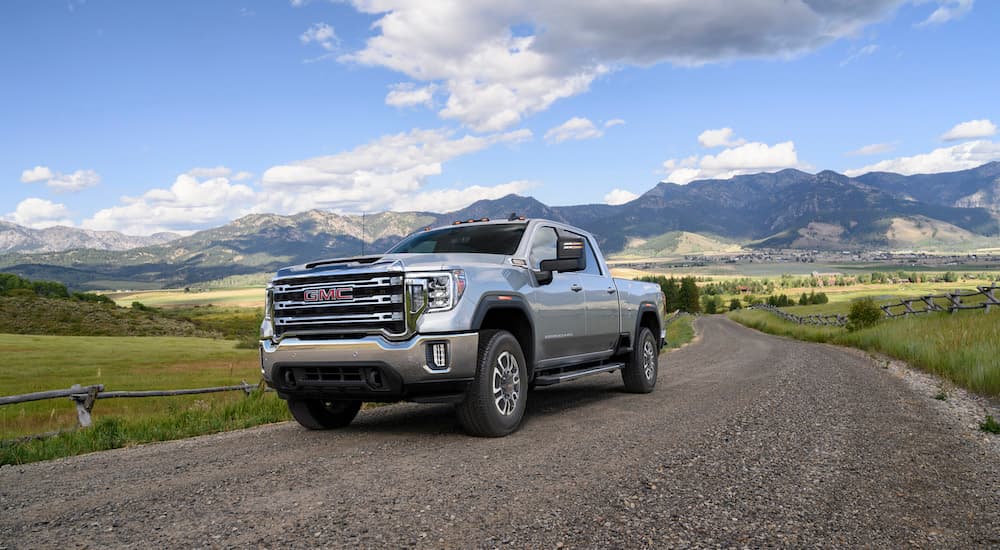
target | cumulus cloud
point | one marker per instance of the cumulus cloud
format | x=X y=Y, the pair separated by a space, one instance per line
x=449 y=200
x=947 y=10
x=972 y=129
x=614 y=122
x=39 y=214
x=373 y=176
x=36 y=174
x=873 y=149
x=619 y=196
x=81 y=179
x=190 y=203
x=409 y=95
x=945 y=159
x=63 y=183
x=575 y=128
x=322 y=34
x=216 y=172
x=723 y=137
x=748 y=158
x=499 y=62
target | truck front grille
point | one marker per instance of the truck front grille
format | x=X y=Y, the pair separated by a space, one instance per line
x=336 y=304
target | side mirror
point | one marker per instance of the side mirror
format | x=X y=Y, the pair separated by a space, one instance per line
x=569 y=257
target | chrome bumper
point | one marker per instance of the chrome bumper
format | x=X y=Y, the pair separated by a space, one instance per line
x=408 y=359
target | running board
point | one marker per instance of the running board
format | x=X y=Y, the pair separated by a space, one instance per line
x=573 y=375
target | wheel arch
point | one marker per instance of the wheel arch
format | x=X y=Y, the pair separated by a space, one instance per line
x=508 y=312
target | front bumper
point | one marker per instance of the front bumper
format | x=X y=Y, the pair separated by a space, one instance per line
x=370 y=368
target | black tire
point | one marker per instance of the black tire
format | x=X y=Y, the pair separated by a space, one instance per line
x=319 y=414
x=494 y=404
x=643 y=363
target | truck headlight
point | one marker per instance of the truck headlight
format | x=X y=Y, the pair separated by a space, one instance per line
x=440 y=291
x=267 y=326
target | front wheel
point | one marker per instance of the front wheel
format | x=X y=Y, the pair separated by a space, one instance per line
x=495 y=402
x=643 y=364
x=319 y=414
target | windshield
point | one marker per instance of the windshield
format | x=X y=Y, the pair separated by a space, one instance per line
x=474 y=239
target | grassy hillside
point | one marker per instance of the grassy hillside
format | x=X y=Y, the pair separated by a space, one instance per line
x=674 y=243
x=38 y=315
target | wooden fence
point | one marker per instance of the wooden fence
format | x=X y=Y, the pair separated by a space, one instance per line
x=85 y=396
x=929 y=303
x=837 y=320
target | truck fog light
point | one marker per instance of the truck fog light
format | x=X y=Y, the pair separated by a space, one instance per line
x=438 y=356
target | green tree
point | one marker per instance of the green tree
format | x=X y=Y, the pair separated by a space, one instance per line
x=689 y=296
x=735 y=304
x=864 y=313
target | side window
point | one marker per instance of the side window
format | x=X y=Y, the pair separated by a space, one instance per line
x=543 y=246
x=593 y=267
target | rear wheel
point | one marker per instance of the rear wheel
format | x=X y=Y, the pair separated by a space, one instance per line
x=319 y=414
x=494 y=405
x=643 y=365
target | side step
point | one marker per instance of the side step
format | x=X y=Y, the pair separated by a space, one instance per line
x=550 y=379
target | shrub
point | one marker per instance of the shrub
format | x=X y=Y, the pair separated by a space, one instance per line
x=864 y=313
x=735 y=304
x=990 y=425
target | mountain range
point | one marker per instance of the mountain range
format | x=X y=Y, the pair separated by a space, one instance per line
x=786 y=209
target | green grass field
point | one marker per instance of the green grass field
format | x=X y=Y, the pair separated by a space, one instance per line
x=37 y=363
x=963 y=347
x=680 y=331
x=251 y=297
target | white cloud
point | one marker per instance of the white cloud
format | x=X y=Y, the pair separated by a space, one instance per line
x=500 y=62
x=945 y=159
x=39 y=214
x=188 y=204
x=748 y=158
x=614 y=122
x=873 y=149
x=321 y=34
x=36 y=174
x=723 y=137
x=449 y=200
x=408 y=95
x=972 y=129
x=947 y=10
x=242 y=176
x=619 y=196
x=373 y=176
x=216 y=172
x=575 y=128
x=863 y=52
x=81 y=179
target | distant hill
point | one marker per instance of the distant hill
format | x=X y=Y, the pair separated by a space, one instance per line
x=975 y=188
x=786 y=209
x=17 y=238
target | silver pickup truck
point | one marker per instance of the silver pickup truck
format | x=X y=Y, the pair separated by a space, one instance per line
x=475 y=314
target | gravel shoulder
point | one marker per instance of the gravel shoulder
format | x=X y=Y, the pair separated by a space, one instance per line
x=748 y=440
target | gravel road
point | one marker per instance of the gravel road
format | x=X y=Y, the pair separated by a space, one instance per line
x=748 y=440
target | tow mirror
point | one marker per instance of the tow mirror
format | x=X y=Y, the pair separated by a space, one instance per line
x=569 y=256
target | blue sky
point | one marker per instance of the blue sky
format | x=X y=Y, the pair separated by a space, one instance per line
x=142 y=117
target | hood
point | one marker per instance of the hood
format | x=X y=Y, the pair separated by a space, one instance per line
x=393 y=262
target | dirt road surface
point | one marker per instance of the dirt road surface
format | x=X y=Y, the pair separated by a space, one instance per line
x=748 y=440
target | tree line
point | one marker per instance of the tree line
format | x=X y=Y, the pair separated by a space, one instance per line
x=14 y=285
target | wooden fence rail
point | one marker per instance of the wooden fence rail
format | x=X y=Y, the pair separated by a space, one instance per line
x=837 y=320
x=927 y=304
x=85 y=396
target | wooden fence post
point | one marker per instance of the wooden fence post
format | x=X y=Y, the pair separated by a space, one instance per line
x=84 y=403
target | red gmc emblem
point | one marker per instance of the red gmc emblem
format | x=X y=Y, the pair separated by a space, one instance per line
x=328 y=294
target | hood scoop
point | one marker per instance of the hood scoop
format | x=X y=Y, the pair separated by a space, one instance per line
x=346 y=262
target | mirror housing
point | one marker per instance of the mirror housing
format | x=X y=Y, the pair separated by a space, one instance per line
x=569 y=258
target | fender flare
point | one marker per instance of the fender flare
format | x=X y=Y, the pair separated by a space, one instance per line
x=643 y=309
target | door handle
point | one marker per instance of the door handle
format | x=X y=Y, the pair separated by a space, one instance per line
x=576 y=287
x=612 y=290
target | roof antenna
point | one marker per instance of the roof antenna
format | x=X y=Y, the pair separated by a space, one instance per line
x=512 y=217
